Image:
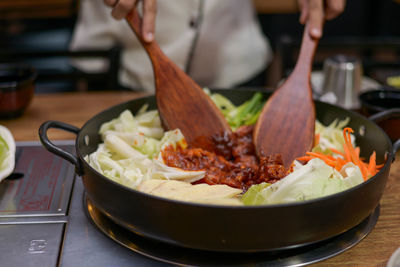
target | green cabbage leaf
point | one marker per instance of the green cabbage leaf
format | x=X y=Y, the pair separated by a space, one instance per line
x=313 y=180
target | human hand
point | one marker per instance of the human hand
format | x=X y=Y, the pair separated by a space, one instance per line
x=316 y=11
x=121 y=8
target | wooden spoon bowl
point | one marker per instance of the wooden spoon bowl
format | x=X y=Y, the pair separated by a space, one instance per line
x=287 y=122
x=181 y=102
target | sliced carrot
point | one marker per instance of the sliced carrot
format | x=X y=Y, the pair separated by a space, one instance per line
x=351 y=154
x=372 y=162
x=305 y=158
x=357 y=151
x=347 y=154
x=317 y=137
x=321 y=155
x=338 y=152
x=349 y=146
x=327 y=159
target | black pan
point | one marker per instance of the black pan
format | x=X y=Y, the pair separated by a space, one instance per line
x=225 y=228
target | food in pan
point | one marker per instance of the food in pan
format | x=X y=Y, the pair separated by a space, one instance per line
x=137 y=153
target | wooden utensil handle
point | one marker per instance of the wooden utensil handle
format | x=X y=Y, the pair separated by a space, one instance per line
x=135 y=22
x=306 y=56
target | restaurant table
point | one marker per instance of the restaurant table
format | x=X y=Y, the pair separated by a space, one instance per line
x=77 y=107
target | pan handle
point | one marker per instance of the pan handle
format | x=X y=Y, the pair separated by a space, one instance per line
x=385 y=115
x=44 y=139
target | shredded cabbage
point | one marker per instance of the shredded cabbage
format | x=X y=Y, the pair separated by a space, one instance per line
x=131 y=153
x=331 y=136
x=147 y=124
x=313 y=180
x=159 y=170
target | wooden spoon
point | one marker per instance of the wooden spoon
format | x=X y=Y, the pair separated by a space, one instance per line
x=287 y=121
x=181 y=102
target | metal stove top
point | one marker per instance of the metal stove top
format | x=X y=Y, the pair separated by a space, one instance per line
x=43 y=222
x=42 y=219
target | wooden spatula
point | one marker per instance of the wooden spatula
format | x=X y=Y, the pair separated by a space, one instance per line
x=287 y=121
x=181 y=102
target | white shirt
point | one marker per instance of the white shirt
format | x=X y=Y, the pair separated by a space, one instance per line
x=219 y=43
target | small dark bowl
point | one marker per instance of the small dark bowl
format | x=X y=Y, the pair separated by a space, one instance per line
x=380 y=100
x=17 y=87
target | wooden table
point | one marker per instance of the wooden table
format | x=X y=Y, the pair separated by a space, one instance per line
x=77 y=108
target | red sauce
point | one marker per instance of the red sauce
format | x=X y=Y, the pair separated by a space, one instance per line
x=233 y=161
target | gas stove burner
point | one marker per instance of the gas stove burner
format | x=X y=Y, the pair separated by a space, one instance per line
x=184 y=256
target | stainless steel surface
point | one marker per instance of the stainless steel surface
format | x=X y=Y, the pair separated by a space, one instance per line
x=33 y=219
x=342 y=81
x=33 y=207
x=39 y=187
x=85 y=245
x=30 y=245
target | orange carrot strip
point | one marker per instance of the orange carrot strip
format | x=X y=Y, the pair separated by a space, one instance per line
x=316 y=139
x=305 y=158
x=357 y=151
x=347 y=139
x=347 y=155
x=319 y=154
x=353 y=153
x=340 y=163
x=372 y=162
x=327 y=160
x=364 y=170
x=338 y=152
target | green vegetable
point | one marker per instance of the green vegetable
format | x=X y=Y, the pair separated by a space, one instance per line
x=313 y=180
x=7 y=152
x=244 y=114
x=256 y=195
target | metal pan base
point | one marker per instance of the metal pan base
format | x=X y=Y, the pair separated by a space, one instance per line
x=190 y=257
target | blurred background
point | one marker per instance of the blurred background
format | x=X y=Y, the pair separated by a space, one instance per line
x=38 y=32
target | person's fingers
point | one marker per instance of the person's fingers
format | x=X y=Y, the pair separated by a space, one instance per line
x=303 y=6
x=149 y=19
x=122 y=8
x=316 y=17
x=334 y=8
x=110 y=2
